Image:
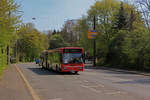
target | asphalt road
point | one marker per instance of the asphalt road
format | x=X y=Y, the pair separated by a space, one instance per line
x=92 y=84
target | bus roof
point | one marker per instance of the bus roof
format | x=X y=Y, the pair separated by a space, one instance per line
x=71 y=48
x=58 y=49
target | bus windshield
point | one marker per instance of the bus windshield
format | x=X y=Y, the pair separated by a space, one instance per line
x=74 y=58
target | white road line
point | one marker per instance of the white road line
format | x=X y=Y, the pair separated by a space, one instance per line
x=98 y=91
x=31 y=90
x=92 y=89
x=99 y=85
x=116 y=79
x=85 y=80
x=56 y=99
x=113 y=93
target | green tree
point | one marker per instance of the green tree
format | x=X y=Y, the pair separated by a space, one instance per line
x=82 y=29
x=56 y=41
x=104 y=11
x=121 y=18
x=122 y=34
x=30 y=43
x=9 y=19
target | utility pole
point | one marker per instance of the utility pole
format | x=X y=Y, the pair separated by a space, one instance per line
x=8 y=54
x=16 y=57
x=8 y=47
x=94 y=47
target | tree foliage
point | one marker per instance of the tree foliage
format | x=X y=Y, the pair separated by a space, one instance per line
x=143 y=7
x=121 y=18
x=56 y=41
x=9 y=19
x=123 y=37
x=30 y=42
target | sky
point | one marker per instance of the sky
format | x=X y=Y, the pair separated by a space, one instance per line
x=51 y=14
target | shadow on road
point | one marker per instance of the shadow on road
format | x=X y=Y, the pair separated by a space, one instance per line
x=41 y=71
x=109 y=70
x=137 y=81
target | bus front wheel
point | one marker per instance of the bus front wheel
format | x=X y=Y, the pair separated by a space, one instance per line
x=76 y=72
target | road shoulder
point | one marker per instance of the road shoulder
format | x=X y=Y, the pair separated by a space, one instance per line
x=118 y=70
x=12 y=86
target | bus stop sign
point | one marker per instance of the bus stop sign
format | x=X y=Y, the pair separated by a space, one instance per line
x=92 y=34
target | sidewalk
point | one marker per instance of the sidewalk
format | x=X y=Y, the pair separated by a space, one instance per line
x=89 y=66
x=12 y=86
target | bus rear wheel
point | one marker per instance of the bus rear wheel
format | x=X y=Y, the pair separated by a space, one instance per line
x=42 y=67
x=57 y=69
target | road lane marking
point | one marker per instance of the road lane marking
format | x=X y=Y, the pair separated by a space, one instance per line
x=31 y=90
x=56 y=99
x=98 y=91
x=92 y=89
x=99 y=85
x=86 y=81
x=114 y=93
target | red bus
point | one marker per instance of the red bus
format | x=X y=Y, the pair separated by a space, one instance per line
x=67 y=59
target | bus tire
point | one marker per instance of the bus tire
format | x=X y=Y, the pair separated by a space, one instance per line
x=56 y=68
x=76 y=72
x=42 y=67
x=59 y=69
x=48 y=66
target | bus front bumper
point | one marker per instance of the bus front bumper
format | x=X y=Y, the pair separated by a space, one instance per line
x=74 y=68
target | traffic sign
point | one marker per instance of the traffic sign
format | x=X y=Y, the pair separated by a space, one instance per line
x=92 y=34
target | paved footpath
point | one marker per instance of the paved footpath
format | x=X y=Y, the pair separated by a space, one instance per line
x=12 y=86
